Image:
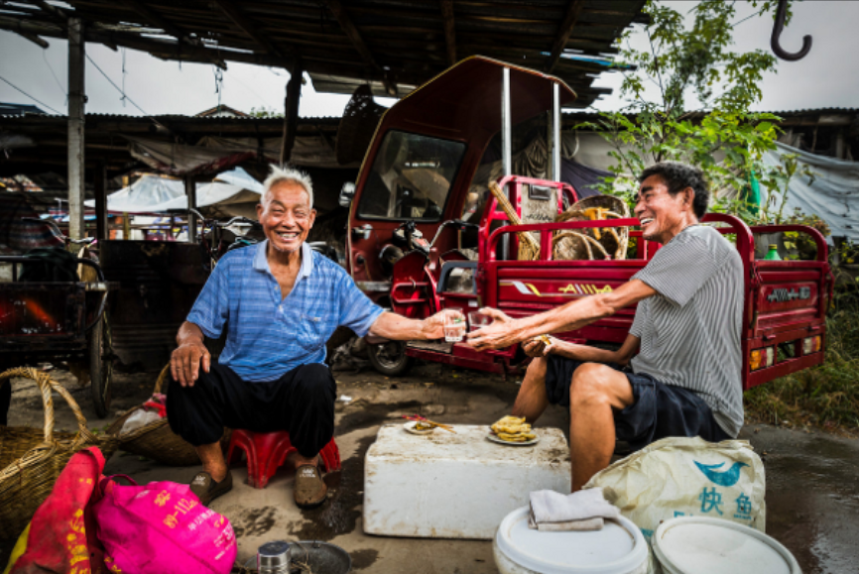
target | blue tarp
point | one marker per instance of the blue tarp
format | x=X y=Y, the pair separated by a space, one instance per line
x=832 y=195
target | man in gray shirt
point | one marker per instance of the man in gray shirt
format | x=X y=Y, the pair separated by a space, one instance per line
x=686 y=378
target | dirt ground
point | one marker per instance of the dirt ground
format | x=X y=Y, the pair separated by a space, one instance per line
x=812 y=478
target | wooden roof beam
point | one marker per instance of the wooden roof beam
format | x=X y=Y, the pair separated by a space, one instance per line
x=574 y=9
x=57 y=15
x=245 y=24
x=156 y=19
x=449 y=30
x=354 y=36
x=171 y=29
x=32 y=37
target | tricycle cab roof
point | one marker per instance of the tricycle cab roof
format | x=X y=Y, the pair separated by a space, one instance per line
x=464 y=104
x=464 y=101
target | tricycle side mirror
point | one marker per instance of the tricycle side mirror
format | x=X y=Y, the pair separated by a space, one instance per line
x=347 y=192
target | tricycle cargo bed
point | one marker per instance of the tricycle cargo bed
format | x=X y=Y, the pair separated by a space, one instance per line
x=784 y=308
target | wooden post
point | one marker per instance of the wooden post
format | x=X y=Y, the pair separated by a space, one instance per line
x=77 y=100
x=191 y=192
x=100 y=181
x=839 y=144
x=290 y=113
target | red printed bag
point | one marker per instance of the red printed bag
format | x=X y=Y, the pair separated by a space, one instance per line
x=61 y=536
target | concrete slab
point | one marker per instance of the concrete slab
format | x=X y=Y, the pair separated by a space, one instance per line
x=812 y=484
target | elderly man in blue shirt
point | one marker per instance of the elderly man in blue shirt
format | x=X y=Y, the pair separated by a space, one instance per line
x=280 y=302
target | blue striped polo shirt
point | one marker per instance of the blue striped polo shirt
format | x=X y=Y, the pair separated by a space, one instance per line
x=268 y=335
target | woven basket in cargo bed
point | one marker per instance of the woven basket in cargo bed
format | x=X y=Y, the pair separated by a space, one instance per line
x=32 y=459
x=155 y=440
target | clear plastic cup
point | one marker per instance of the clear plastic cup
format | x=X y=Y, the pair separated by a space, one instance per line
x=454 y=328
x=477 y=320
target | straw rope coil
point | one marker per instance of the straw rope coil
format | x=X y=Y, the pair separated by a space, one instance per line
x=567 y=245
x=32 y=459
x=156 y=440
x=529 y=249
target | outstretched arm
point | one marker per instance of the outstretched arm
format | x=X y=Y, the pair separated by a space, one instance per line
x=399 y=328
x=569 y=317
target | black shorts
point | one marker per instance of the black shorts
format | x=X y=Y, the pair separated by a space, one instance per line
x=300 y=402
x=659 y=410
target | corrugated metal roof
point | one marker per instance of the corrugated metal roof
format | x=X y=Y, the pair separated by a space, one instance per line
x=392 y=45
x=166 y=117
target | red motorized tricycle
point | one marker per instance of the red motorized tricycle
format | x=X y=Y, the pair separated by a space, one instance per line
x=417 y=182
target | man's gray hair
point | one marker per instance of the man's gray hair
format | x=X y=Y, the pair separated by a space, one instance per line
x=286 y=174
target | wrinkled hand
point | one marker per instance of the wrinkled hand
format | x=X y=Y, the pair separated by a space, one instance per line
x=433 y=327
x=185 y=362
x=536 y=347
x=498 y=335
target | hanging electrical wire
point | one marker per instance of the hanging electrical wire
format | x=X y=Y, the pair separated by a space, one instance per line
x=31 y=97
x=59 y=84
x=121 y=91
x=124 y=97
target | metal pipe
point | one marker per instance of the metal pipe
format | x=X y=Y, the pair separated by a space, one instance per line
x=506 y=128
x=556 y=131
x=506 y=145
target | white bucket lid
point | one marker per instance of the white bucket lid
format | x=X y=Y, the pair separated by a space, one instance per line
x=702 y=545
x=619 y=548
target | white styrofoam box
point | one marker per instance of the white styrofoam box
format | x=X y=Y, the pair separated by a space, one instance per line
x=445 y=485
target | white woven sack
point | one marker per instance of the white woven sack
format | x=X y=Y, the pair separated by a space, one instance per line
x=687 y=477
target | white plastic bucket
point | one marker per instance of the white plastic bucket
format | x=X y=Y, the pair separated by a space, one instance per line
x=619 y=548
x=702 y=545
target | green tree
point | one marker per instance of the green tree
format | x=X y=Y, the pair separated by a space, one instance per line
x=264 y=112
x=721 y=135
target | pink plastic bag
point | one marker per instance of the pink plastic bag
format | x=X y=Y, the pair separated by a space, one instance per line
x=162 y=528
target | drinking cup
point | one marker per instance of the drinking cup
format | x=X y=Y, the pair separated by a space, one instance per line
x=454 y=328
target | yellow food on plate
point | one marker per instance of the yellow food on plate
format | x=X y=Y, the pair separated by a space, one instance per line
x=510 y=425
x=513 y=429
x=522 y=437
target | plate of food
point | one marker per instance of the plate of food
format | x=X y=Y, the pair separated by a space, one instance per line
x=418 y=427
x=512 y=431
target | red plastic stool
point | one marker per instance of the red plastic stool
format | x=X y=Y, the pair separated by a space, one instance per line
x=267 y=451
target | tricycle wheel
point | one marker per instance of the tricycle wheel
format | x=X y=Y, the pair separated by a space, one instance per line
x=100 y=365
x=390 y=358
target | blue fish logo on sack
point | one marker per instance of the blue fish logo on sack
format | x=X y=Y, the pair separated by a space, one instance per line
x=726 y=478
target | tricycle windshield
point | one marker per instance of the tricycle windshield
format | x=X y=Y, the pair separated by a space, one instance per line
x=411 y=177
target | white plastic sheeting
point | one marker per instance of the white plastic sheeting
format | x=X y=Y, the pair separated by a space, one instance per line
x=832 y=195
x=232 y=193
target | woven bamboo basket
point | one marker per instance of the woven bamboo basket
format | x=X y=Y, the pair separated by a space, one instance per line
x=156 y=440
x=32 y=459
x=591 y=243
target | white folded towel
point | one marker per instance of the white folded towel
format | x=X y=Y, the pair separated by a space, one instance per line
x=582 y=510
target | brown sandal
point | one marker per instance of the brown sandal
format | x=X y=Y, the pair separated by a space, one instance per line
x=309 y=490
x=208 y=489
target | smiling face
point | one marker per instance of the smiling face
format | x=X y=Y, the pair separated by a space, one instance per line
x=286 y=216
x=663 y=215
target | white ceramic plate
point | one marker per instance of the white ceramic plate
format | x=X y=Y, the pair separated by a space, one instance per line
x=492 y=437
x=410 y=427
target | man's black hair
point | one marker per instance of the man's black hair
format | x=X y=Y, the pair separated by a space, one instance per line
x=677 y=177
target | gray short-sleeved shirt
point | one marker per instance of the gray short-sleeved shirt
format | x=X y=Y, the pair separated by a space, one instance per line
x=690 y=330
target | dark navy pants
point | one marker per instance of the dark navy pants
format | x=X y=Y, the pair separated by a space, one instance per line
x=659 y=410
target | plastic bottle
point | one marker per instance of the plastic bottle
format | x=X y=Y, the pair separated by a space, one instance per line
x=772 y=255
